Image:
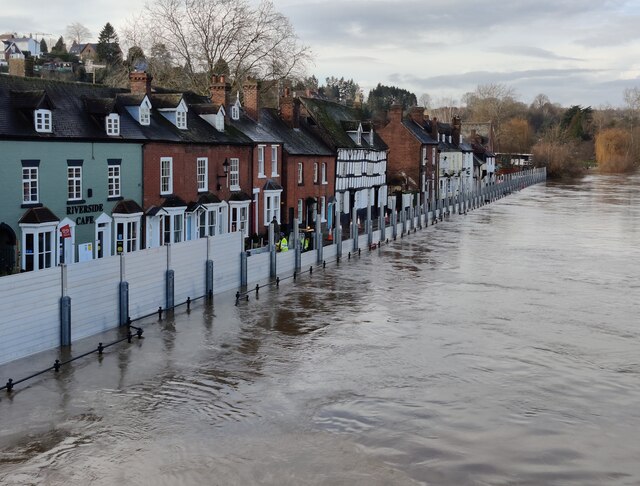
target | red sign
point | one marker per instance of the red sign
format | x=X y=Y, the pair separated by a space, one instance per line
x=65 y=231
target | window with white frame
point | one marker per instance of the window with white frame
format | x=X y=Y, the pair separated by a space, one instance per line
x=261 y=161
x=271 y=206
x=274 y=160
x=234 y=174
x=166 y=175
x=113 y=124
x=42 y=120
x=300 y=173
x=127 y=233
x=181 y=119
x=202 y=173
x=38 y=243
x=424 y=155
x=113 y=180
x=219 y=120
x=300 y=209
x=315 y=172
x=74 y=183
x=178 y=229
x=235 y=112
x=238 y=220
x=208 y=222
x=145 y=115
x=324 y=173
x=29 y=185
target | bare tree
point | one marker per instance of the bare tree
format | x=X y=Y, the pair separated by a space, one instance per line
x=256 y=41
x=78 y=32
x=445 y=109
x=425 y=100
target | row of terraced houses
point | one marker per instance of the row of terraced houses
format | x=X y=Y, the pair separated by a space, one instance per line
x=90 y=171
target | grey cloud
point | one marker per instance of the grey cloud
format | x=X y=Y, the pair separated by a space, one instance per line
x=530 y=51
x=414 y=22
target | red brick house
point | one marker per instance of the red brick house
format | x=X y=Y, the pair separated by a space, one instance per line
x=196 y=167
x=413 y=152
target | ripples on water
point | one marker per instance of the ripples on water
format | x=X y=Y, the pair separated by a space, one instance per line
x=499 y=347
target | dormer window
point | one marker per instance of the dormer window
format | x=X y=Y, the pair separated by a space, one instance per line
x=235 y=112
x=359 y=135
x=112 y=123
x=43 y=121
x=145 y=115
x=181 y=119
x=220 y=121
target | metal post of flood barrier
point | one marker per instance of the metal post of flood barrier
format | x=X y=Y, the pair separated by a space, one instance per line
x=272 y=250
x=243 y=269
x=123 y=294
x=170 y=278
x=318 y=238
x=209 y=278
x=65 y=310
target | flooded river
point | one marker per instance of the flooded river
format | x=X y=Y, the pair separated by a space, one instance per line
x=501 y=347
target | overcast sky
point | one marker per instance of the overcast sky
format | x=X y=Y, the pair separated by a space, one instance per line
x=574 y=51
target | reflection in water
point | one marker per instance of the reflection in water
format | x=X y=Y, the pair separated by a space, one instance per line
x=495 y=348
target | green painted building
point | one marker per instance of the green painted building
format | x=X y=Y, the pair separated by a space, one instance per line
x=71 y=172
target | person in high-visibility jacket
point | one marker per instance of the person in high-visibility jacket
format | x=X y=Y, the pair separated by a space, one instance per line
x=284 y=246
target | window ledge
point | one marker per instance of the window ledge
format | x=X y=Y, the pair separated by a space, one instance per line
x=72 y=202
x=262 y=176
x=31 y=205
x=115 y=198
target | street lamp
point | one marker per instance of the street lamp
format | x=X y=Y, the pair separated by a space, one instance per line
x=225 y=169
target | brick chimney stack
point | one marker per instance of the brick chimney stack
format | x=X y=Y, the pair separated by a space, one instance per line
x=220 y=90
x=456 y=129
x=287 y=108
x=417 y=114
x=434 y=129
x=250 y=90
x=395 y=113
x=140 y=82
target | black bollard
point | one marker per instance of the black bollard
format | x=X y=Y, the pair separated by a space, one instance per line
x=257 y=289
x=128 y=320
x=56 y=366
x=310 y=270
x=139 y=333
x=294 y=276
x=9 y=385
x=188 y=303
x=100 y=348
x=349 y=256
x=160 y=312
x=324 y=264
x=359 y=251
x=277 y=281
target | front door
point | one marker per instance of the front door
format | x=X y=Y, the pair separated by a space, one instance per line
x=7 y=249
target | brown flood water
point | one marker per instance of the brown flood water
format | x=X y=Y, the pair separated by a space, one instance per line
x=496 y=348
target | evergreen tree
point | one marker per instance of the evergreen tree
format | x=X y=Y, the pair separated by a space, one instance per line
x=108 y=45
x=43 y=47
x=221 y=67
x=60 y=47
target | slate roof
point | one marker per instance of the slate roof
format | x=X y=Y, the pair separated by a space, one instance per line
x=272 y=186
x=239 y=196
x=71 y=119
x=335 y=120
x=38 y=216
x=75 y=107
x=418 y=131
x=127 y=206
x=296 y=141
x=257 y=132
x=165 y=101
